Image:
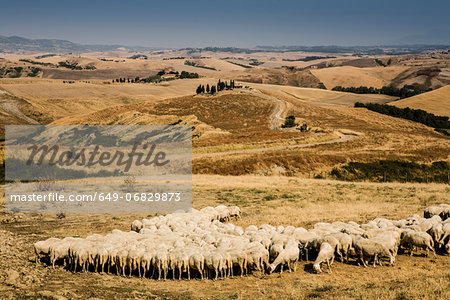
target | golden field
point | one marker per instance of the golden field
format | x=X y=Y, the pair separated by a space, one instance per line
x=436 y=102
x=273 y=200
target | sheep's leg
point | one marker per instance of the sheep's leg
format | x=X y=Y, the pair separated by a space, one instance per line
x=341 y=257
x=189 y=273
x=328 y=264
x=361 y=257
x=375 y=260
x=434 y=252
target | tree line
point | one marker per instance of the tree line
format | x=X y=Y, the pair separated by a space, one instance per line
x=416 y=115
x=213 y=89
x=158 y=77
x=405 y=92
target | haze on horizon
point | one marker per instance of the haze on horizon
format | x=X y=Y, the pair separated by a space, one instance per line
x=202 y=23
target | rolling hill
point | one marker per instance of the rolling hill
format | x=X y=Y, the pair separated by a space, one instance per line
x=436 y=102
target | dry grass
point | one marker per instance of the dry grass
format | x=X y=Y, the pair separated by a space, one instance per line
x=273 y=200
x=236 y=117
x=436 y=102
x=54 y=99
x=348 y=76
x=319 y=96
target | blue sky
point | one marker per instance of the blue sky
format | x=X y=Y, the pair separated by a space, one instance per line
x=228 y=23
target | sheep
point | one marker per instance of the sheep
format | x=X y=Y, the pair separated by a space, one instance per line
x=121 y=261
x=196 y=262
x=134 y=260
x=239 y=259
x=445 y=214
x=345 y=243
x=333 y=241
x=43 y=247
x=160 y=262
x=275 y=249
x=101 y=257
x=432 y=211
x=58 y=251
x=200 y=242
x=146 y=262
x=326 y=254
x=181 y=263
x=235 y=212
x=136 y=225
x=436 y=232
x=422 y=240
x=446 y=229
x=214 y=261
x=365 y=248
x=388 y=240
x=288 y=256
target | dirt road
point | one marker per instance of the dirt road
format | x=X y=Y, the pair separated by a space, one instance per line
x=345 y=138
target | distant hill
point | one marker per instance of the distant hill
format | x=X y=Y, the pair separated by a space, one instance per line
x=436 y=102
x=425 y=77
x=17 y=44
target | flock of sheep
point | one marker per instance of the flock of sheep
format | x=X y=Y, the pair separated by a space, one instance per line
x=202 y=244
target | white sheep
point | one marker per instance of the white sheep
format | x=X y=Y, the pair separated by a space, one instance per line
x=326 y=254
x=366 y=248
x=289 y=256
x=42 y=248
x=414 y=239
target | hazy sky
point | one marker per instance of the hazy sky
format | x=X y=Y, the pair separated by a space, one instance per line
x=170 y=23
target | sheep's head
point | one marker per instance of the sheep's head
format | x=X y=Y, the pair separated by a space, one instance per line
x=271 y=268
x=317 y=268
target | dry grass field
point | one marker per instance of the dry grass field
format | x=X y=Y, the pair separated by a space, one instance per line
x=49 y=100
x=348 y=76
x=272 y=200
x=319 y=96
x=436 y=101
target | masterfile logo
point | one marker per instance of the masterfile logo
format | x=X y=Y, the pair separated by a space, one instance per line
x=119 y=168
